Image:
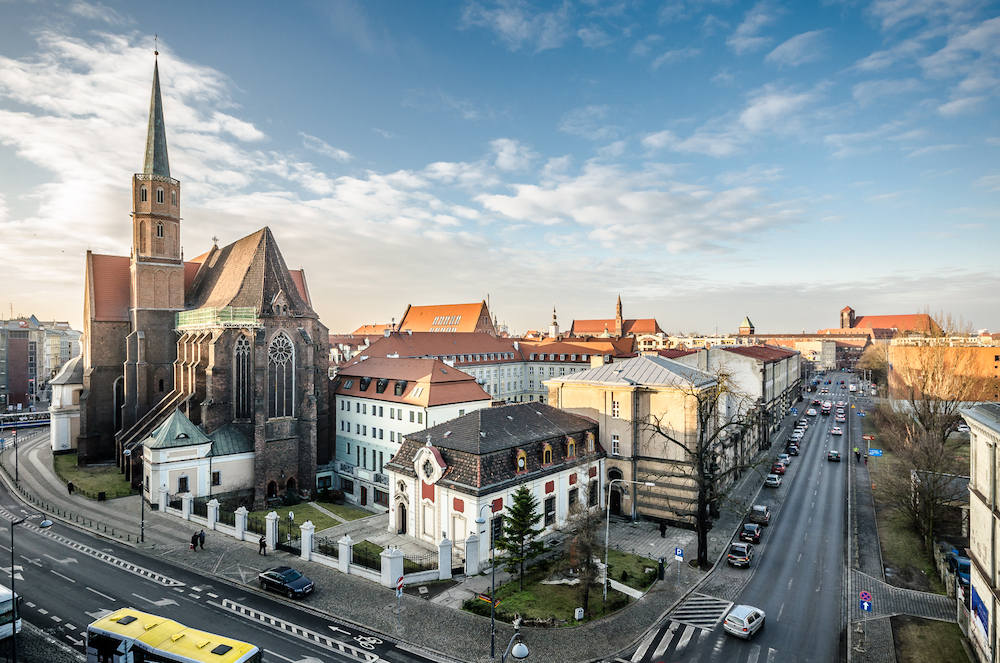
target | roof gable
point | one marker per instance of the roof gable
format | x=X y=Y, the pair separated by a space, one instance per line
x=447 y=317
x=176 y=431
x=111 y=284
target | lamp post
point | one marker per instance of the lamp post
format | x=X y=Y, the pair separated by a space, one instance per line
x=142 y=492
x=45 y=524
x=607 y=526
x=493 y=600
x=518 y=650
x=14 y=435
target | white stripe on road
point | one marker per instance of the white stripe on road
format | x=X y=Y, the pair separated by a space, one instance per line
x=61 y=575
x=641 y=651
x=754 y=654
x=686 y=638
x=772 y=655
x=668 y=635
x=99 y=594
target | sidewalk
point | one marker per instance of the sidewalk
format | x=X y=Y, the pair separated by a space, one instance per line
x=431 y=625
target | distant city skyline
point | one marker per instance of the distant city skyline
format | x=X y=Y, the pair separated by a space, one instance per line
x=705 y=161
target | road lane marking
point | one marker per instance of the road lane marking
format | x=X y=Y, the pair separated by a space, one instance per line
x=61 y=575
x=43 y=611
x=772 y=655
x=780 y=610
x=100 y=594
x=668 y=636
x=56 y=619
x=754 y=654
x=71 y=627
x=685 y=638
x=800 y=558
x=644 y=646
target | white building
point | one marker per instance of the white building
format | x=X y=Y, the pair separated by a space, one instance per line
x=64 y=410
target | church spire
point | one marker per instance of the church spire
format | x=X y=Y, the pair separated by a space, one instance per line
x=156 y=162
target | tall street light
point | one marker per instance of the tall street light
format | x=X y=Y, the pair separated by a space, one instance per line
x=493 y=599
x=45 y=524
x=607 y=526
x=142 y=491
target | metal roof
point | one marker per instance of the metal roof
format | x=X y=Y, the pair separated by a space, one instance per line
x=653 y=371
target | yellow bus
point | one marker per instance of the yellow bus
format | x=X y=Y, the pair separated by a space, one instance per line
x=130 y=636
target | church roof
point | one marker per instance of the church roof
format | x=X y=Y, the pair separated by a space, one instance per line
x=746 y=322
x=629 y=327
x=156 y=162
x=447 y=318
x=176 y=431
x=250 y=272
x=917 y=322
x=109 y=284
x=229 y=440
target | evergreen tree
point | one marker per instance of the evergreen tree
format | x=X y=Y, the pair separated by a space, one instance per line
x=518 y=540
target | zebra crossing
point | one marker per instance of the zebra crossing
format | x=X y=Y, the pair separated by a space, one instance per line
x=701 y=611
x=683 y=642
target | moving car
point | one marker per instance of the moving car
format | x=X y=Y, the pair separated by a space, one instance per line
x=773 y=480
x=833 y=454
x=751 y=533
x=836 y=431
x=811 y=412
x=740 y=554
x=841 y=419
x=286 y=580
x=815 y=401
x=760 y=514
x=743 y=621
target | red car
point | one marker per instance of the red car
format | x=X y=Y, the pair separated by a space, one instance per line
x=778 y=468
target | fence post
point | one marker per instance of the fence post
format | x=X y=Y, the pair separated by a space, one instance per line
x=186 y=500
x=164 y=500
x=271 y=529
x=213 y=513
x=344 y=558
x=472 y=555
x=307 y=532
x=444 y=559
x=241 y=522
x=392 y=566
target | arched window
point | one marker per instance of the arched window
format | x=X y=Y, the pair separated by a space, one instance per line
x=173 y=198
x=161 y=385
x=242 y=379
x=142 y=237
x=159 y=230
x=547 y=455
x=280 y=377
x=142 y=194
x=159 y=195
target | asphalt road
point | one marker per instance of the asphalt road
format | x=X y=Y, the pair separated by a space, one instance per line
x=797 y=576
x=69 y=578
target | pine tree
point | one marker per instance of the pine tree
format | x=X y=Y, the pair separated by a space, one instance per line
x=518 y=540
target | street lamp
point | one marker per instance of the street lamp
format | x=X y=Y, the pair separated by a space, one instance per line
x=142 y=492
x=518 y=650
x=45 y=524
x=607 y=526
x=493 y=599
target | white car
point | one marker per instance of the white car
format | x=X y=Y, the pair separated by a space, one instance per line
x=743 y=621
x=772 y=481
x=836 y=431
x=811 y=412
x=785 y=458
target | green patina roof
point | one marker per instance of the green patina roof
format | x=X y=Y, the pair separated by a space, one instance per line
x=176 y=431
x=156 y=162
x=228 y=440
x=746 y=322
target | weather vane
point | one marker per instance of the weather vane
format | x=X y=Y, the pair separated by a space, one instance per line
x=156 y=51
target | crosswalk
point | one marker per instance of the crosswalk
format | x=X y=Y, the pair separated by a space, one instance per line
x=701 y=611
x=683 y=642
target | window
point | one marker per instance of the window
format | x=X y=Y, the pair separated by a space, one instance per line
x=614 y=409
x=347 y=485
x=173 y=198
x=461 y=413
x=381 y=497
x=592 y=497
x=547 y=455
x=243 y=379
x=364 y=430
x=363 y=385
x=159 y=230
x=280 y=377
x=550 y=511
x=357 y=428
x=159 y=195
x=182 y=484
x=380 y=385
x=217 y=478
x=161 y=385
x=552 y=371
x=357 y=407
x=380 y=412
x=381 y=431
x=348 y=384
x=496 y=531
x=411 y=416
x=571 y=448
x=380 y=456
x=364 y=459
x=615 y=445
x=420 y=417
x=364 y=408
x=572 y=497
x=142 y=194
x=348 y=444
x=392 y=436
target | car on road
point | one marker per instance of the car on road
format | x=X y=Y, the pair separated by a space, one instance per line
x=815 y=401
x=772 y=481
x=795 y=437
x=792 y=449
x=836 y=430
x=803 y=422
x=777 y=468
x=760 y=514
x=743 y=621
x=811 y=412
x=740 y=554
x=785 y=458
x=833 y=454
x=286 y=580
x=751 y=533
x=840 y=419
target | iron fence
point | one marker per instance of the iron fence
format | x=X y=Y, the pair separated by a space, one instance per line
x=256 y=524
x=417 y=562
x=366 y=558
x=326 y=546
x=227 y=517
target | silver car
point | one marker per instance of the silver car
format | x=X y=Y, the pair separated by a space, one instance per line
x=743 y=621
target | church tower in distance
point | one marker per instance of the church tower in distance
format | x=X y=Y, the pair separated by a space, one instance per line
x=157 y=272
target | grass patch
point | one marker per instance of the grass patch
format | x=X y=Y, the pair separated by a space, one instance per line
x=89 y=481
x=303 y=512
x=346 y=511
x=928 y=641
x=634 y=569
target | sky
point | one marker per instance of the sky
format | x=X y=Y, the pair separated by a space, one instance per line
x=706 y=160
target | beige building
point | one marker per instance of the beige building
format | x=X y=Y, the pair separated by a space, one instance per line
x=620 y=397
x=984 y=528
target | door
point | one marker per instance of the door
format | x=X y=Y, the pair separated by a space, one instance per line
x=401 y=518
x=364 y=496
x=616 y=502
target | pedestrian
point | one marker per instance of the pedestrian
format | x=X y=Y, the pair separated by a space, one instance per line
x=194 y=541
x=70 y=487
x=663 y=529
x=866 y=459
x=201 y=539
x=857 y=454
x=263 y=546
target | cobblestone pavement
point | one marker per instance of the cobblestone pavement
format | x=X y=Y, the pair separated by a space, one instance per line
x=888 y=601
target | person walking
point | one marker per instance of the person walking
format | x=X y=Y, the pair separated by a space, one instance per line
x=866 y=459
x=194 y=541
x=201 y=539
x=263 y=546
x=857 y=454
x=70 y=487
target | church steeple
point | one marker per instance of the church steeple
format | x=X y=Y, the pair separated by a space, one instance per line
x=156 y=161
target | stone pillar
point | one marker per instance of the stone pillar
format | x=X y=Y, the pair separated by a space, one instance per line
x=308 y=531
x=186 y=506
x=164 y=499
x=213 y=513
x=344 y=557
x=392 y=567
x=444 y=559
x=271 y=529
x=472 y=555
x=241 y=522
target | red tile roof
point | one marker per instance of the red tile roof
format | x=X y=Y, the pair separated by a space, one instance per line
x=441 y=384
x=629 y=327
x=448 y=318
x=917 y=322
x=112 y=285
x=371 y=329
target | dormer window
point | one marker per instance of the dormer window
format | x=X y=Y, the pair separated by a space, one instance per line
x=348 y=384
x=547 y=454
x=570 y=447
x=159 y=230
x=142 y=194
x=363 y=386
x=159 y=195
x=400 y=387
x=521 y=462
x=381 y=384
x=181 y=436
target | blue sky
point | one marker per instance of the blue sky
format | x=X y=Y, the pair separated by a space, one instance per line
x=706 y=160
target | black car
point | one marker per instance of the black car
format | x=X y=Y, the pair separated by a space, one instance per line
x=286 y=580
x=751 y=533
x=792 y=449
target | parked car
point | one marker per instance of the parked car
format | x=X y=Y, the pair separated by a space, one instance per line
x=959 y=565
x=760 y=514
x=287 y=581
x=833 y=454
x=785 y=458
x=795 y=437
x=962 y=428
x=743 y=621
x=803 y=422
x=772 y=481
x=740 y=554
x=751 y=533
x=792 y=449
x=836 y=430
x=777 y=468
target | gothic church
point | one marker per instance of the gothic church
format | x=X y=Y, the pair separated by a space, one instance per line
x=228 y=340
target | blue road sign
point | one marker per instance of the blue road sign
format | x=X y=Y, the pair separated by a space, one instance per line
x=678 y=552
x=866 y=606
x=874 y=452
x=795 y=410
x=861 y=414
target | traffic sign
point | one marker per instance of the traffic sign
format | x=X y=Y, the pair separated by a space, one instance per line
x=861 y=414
x=874 y=452
x=679 y=554
x=868 y=437
x=866 y=596
x=795 y=410
x=866 y=606
x=399 y=583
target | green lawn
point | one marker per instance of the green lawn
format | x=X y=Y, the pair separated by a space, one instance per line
x=89 y=481
x=929 y=641
x=345 y=511
x=635 y=567
x=303 y=512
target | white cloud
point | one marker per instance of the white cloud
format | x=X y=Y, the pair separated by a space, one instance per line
x=644 y=46
x=512 y=155
x=320 y=146
x=800 y=49
x=517 y=24
x=752 y=175
x=593 y=37
x=867 y=92
x=98 y=12
x=988 y=182
x=774 y=109
x=676 y=55
x=897 y=13
x=746 y=37
x=589 y=123
x=931 y=149
x=962 y=106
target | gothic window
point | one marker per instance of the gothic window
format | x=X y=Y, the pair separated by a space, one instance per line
x=159 y=230
x=159 y=195
x=173 y=198
x=280 y=377
x=142 y=237
x=243 y=379
x=142 y=193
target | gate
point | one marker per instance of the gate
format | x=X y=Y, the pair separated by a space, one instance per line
x=289 y=536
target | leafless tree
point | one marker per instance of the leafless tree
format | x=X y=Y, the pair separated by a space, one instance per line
x=584 y=526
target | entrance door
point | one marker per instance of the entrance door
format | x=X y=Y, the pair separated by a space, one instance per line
x=400 y=518
x=364 y=496
x=616 y=502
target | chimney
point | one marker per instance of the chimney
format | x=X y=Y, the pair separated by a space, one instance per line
x=596 y=361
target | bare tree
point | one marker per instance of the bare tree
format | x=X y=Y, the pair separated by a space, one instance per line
x=585 y=548
x=875 y=359
x=710 y=454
